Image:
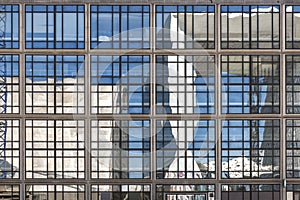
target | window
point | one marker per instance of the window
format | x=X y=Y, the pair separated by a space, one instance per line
x=250 y=149
x=9 y=83
x=120 y=149
x=292 y=148
x=125 y=27
x=185 y=149
x=291 y=27
x=190 y=191
x=250 y=27
x=55 y=149
x=54 y=27
x=292 y=84
x=185 y=84
x=120 y=84
x=75 y=192
x=185 y=27
x=54 y=84
x=250 y=191
x=10 y=149
x=9 y=30
x=123 y=191
x=250 y=84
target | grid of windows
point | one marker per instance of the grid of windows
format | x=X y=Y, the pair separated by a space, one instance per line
x=120 y=101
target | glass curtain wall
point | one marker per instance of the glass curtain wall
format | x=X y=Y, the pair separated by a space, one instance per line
x=149 y=101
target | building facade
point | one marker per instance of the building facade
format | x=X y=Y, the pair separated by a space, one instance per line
x=165 y=100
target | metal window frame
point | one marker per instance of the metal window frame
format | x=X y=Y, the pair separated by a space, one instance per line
x=282 y=116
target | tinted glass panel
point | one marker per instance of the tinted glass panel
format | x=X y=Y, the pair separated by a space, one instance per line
x=250 y=27
x=250 y=149
x=54 y=27
x=185 y=27
x=250 y=84
x=125 y=27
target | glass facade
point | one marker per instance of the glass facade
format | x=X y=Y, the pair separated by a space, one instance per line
x=182 y=101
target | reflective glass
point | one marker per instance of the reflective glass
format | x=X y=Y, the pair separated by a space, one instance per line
x=54 y=27
x=9 y=26
x=185 y=149
x=185 y=84
x=120 y=149
x=120 y=84
x=185 y=27
x=293 y=148
x=250 y=27
x=292 y=14
x=124 y=27
x=250 y=84
x=250 y=149
x=251 y=191
x=55 y=84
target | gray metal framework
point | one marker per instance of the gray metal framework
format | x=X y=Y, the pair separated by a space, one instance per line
x=218 y=116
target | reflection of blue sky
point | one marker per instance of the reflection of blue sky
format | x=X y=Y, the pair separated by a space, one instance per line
x=11 y=66
x=40 y=68
x=236 y=134
x=236 y=95
x=61 y=23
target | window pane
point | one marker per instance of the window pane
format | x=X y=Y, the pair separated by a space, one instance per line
x=185 y=27
x=54 y=27
x=55 y=149
x=124 y=27
x=185 y=149
x=9 y=26
x=250 y=27
x=55 y=84
x=120 y=84
x=245 y=192
x=185 y=84
x=250 y=149
x=120 y=149
x=250 y=84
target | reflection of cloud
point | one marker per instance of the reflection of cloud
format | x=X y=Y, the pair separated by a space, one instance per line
x=104 y=38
